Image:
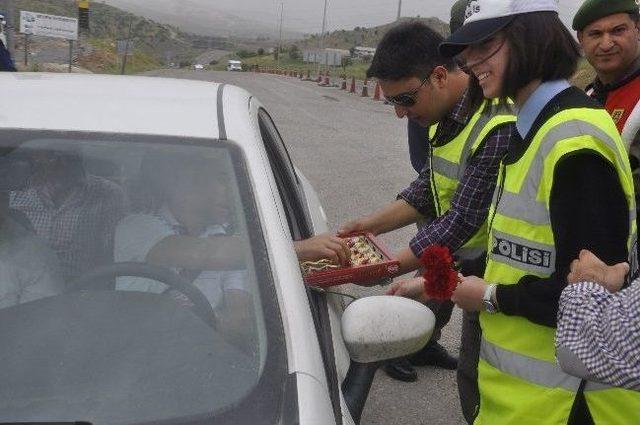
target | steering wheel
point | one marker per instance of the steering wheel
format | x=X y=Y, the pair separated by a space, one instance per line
x=165 y=275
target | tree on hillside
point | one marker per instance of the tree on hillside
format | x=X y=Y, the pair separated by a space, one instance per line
x=294 y=52
x=243 y=54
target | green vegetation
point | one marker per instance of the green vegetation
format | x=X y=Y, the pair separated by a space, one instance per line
x=151 y=40
x=355 y=68
x=105 y=60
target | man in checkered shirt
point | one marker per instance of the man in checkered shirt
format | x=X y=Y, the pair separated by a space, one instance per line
x=74 y=212
x=598 y=336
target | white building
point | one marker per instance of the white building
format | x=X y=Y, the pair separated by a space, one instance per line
x=330 y=57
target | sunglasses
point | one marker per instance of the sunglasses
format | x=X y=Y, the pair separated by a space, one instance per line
x=406 y=99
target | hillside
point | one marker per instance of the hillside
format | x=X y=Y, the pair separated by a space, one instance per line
x=155 y=42
x=368 y=37
x=203 y=17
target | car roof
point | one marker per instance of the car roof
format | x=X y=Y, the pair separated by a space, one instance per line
x=120 y=104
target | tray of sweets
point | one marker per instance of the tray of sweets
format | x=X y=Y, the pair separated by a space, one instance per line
x=370 y=261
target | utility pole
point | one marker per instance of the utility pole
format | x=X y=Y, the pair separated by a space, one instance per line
x=280 y=42
x=399 y=9
x=126 y=48
x=321 y=41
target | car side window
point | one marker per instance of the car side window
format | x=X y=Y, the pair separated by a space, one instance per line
x=288 y=184
x=299 y=224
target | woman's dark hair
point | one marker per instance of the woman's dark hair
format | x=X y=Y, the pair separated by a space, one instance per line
x=541 y=48
x=408 y=50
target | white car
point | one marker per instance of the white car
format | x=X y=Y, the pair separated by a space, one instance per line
x=234 y=65
x=162 y=285
x=198 y=67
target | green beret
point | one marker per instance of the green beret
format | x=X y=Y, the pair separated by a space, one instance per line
x=457 y=15
x=592 y=10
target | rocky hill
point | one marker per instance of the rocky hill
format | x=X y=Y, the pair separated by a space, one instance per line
x=367 y=37
x=109 y=24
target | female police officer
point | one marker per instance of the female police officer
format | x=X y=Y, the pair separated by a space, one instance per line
x=564 y=186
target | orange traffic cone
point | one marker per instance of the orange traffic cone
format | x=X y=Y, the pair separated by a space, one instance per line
x=365 y=89
x=377 y=92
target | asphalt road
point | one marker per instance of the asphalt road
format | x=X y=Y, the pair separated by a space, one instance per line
x=354 y=152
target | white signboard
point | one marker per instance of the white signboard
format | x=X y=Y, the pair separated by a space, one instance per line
x=48 y=25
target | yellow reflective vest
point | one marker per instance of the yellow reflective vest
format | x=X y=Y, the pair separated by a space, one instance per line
x=519 y=379
x=449 y=162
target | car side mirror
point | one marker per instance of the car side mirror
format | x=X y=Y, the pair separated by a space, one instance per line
x=385 y=327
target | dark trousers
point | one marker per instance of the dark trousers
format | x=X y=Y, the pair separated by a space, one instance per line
x=442 y=310
x=467 y=373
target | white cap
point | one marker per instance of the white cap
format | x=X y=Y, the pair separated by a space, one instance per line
x=480 y=10
x=483 y=18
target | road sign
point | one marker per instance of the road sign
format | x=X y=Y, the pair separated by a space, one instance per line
x=35 y=23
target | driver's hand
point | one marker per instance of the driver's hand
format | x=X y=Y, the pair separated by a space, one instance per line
x=410 y=288
x=323 y=246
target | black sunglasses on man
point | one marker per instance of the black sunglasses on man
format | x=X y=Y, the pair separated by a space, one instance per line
x=407 y=99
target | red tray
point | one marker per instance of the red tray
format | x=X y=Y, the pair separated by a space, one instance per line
x=358 y=274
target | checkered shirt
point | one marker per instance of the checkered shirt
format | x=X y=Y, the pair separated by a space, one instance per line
x=603 y=331
x=81 y=229
x=471 y=201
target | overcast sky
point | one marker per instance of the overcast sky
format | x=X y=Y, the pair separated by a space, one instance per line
x=306 y=15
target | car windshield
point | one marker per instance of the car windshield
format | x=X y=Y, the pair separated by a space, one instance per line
x=133 y=286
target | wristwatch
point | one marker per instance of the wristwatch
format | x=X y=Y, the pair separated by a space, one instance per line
x=489 y=306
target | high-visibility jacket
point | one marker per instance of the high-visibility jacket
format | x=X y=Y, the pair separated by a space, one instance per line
x=519 y=380
x=449 y=162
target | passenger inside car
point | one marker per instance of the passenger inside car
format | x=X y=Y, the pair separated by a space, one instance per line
x=29 y=269
x=73 y=211
x=189 y=233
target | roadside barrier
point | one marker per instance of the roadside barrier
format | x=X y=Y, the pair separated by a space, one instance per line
x=344 y=84
x=352 y=89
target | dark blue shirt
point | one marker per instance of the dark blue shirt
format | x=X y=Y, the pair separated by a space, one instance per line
x=6 y=64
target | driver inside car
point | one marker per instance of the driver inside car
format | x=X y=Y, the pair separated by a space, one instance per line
x=29 y=269
x=189 y=232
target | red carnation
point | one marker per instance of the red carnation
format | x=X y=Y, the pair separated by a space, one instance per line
x=440 y=276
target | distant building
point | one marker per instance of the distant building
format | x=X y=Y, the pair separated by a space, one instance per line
x=330 y=57
x=363 y=52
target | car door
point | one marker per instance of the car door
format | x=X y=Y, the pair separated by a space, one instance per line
x=305 y=216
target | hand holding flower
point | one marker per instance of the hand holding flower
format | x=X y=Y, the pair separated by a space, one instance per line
x=469 y=293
